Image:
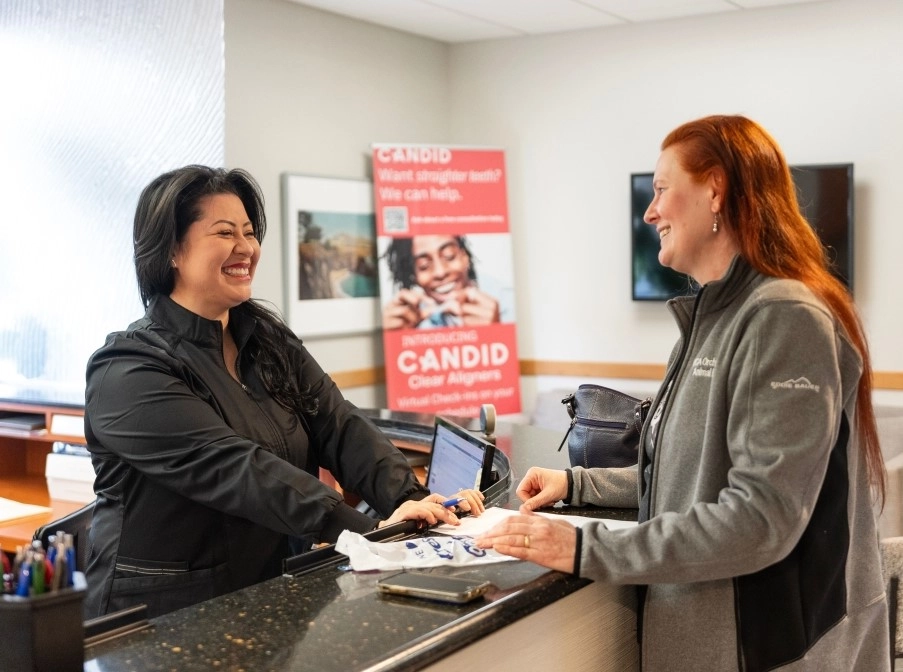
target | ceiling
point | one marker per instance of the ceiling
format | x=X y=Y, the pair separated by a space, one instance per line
x=468 y=20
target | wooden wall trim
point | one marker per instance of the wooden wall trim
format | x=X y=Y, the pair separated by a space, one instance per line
x=882 y=380
x=359 y=377
x=887 y=380
x=534 y=367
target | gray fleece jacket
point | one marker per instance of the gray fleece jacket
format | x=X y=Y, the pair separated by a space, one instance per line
x=759 y=549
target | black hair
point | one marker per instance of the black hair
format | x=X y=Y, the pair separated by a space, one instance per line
x=166 y=208
x=169 y=205
x=399 y=256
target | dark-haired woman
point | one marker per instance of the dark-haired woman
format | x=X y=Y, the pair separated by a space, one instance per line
x=759 y=462
x=208 y=420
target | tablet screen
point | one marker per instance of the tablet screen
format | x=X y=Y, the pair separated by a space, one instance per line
x=459 y=459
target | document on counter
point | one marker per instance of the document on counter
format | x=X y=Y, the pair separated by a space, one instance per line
x=474 y=526
x=448 y=551
x=12 y=510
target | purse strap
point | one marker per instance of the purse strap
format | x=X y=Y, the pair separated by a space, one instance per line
x=568 y=402
x=642 y=410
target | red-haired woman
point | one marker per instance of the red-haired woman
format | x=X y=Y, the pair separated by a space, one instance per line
x=759 y=461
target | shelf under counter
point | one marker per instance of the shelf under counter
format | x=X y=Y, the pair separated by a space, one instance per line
x=30 y=490
x=23 y=455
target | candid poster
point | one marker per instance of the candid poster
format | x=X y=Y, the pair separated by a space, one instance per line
x=446 y=279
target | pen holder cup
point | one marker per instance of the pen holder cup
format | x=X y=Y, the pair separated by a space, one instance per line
x=44 y=633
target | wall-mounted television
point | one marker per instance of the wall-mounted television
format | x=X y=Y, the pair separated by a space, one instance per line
x=825 y=194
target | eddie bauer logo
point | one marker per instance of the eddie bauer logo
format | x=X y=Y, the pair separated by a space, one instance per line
x=800 y=383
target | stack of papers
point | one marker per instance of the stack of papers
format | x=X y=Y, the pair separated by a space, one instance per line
x=475 y=526
x=27 y=422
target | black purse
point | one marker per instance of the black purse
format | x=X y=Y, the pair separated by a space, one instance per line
x=605 y=427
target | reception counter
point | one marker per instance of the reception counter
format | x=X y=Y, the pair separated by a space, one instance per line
x=321 y=615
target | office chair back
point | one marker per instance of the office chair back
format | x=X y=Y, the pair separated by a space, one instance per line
x=892 y=566
x=77 y=523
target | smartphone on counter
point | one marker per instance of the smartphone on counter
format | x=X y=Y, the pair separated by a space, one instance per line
x=454 y=589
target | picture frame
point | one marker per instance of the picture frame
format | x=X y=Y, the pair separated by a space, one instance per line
x=329 y=241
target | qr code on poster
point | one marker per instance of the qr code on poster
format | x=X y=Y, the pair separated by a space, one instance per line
x=395 y=219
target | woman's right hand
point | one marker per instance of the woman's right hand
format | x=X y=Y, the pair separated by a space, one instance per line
x=471 y=500
x=429 y=511
x=542 y=487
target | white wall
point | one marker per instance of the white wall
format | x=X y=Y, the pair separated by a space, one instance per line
x=308 y=92
x=578 y=112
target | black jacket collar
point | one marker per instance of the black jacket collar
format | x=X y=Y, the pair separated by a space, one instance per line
x=199 y=330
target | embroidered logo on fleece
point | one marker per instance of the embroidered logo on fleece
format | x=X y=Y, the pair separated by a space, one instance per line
x=801 y=383
x=703 y=366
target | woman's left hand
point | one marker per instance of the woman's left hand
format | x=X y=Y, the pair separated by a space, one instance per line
x=539 y=539
x=471 y=500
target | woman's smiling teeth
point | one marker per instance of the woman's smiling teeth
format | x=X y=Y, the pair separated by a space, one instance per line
x=237 y=271
x=664 y=232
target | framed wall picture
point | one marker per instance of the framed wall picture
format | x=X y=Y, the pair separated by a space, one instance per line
x=332 y=282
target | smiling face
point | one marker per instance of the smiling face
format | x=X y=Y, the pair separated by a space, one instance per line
x=683 y=212
x=216 y=259
x=441 y=266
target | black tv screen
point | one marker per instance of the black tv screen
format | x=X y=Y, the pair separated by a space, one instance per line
x=825 y=195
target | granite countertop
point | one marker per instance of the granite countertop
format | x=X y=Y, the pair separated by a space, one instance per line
x=331 y=617
x=334 y=618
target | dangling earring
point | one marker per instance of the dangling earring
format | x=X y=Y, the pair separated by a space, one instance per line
x=714 y=225
x=173 y=261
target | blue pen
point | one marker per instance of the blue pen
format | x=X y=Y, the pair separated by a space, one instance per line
x=24 y=586
x=51 y=548
x=453 y=502
x=69 y=550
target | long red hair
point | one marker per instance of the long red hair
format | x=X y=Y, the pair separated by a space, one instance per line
x=760 y=206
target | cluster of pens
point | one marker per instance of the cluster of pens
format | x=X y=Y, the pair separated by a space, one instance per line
x=36 y=570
